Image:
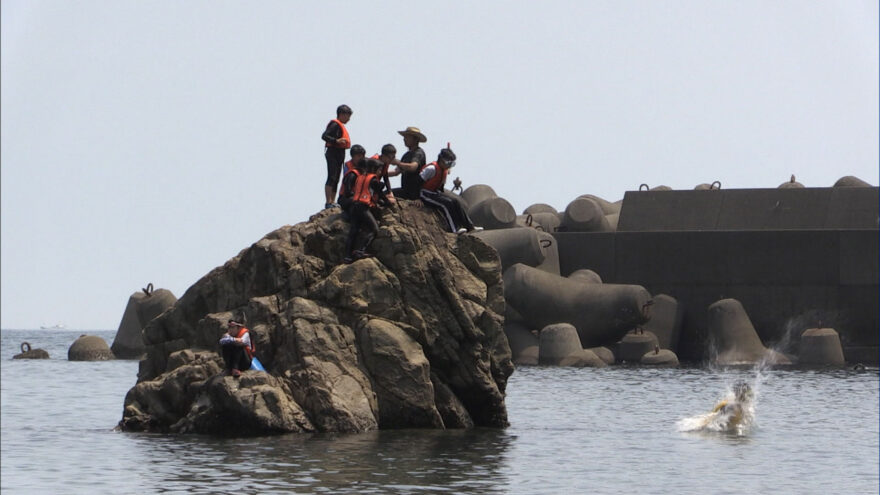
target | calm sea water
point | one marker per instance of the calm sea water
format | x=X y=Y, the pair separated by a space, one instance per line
x=613 y=430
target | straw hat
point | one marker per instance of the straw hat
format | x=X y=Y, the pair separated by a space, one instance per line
x=415 y=132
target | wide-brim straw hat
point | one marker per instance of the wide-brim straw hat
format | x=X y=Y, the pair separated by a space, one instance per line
x=415 y=132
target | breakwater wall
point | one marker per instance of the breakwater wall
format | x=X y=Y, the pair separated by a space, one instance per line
x=796 y=258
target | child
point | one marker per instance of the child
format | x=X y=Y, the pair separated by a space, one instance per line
x=368 y=192
x=236 y=348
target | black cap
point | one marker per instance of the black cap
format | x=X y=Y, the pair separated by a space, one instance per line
x=446 y=155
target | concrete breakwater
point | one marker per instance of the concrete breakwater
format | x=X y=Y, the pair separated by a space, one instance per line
x=794 y=258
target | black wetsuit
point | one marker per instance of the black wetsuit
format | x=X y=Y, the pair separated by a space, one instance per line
x=334 y=155
x=410 y=184
x=347 y=192
x=235 y=357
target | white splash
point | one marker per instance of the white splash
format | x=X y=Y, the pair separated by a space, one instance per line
x=731 y=415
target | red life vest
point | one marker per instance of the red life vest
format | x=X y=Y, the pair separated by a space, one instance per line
x=439 y=180
x=251 y=349
x=362 y=192
x=344 y=134
x=343 y=192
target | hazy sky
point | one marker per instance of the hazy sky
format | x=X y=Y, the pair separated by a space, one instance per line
x=151 y=141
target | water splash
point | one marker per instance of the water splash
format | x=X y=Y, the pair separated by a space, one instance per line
x=731 y=415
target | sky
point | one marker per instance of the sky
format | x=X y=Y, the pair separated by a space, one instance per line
x=151 y=141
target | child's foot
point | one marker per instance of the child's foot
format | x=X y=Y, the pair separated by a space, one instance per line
x=361 y=254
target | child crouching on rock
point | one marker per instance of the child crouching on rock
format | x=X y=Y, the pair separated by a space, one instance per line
x=237 y=348
x=368 y=192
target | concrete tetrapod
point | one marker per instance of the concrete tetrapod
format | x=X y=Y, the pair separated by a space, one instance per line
x=514 y=246
x=129 y=341
x=601 y=313
x=493 y=213
x=561 y=346
x=156 y=302
x=736 y=341
x=660 y=357
x=665 y=322
x=608 y=208
x=89 y=348
x=586 y=276
x=634 y=345
x=546 y=221
x=584 y=215
x=551 y=253
x=539 y=208
x=28 y=353
x=851 y=181
x=821 y=347
x=478 y=193
x=604 y=353
x=523 y=343
x=613 y=219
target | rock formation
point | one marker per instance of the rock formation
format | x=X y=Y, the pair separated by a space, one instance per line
x=410 y=338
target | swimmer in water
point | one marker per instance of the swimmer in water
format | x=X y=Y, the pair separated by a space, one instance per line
x=735 y=410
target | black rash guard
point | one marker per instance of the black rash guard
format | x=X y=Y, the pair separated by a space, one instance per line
x=410 y=184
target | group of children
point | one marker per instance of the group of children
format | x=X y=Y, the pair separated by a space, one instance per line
x=366 y=185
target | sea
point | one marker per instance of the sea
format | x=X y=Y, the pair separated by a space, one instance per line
x=615 y=430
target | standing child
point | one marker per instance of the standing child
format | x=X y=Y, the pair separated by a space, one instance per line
x=336 y=141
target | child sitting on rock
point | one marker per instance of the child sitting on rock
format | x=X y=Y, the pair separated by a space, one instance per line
x=236 y=348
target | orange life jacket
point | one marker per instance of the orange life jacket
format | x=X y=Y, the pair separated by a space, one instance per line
x=343 y=192
x=251 y=349
x=436 y=183
x=344 y=134
x=362 y=192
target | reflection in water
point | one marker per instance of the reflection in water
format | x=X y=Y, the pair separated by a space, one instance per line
x=403 y=461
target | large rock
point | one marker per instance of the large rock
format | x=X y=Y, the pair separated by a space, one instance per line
x=89 y=348
x=410 y=338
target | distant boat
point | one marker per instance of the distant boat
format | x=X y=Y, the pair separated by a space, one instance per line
x=53 y=327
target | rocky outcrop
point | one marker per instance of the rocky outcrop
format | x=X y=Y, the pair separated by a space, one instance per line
x=410 y=338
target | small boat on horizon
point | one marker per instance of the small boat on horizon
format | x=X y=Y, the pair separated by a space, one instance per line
x=53 y=327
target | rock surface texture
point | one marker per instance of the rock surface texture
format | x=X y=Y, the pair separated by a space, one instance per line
x=409 y=338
